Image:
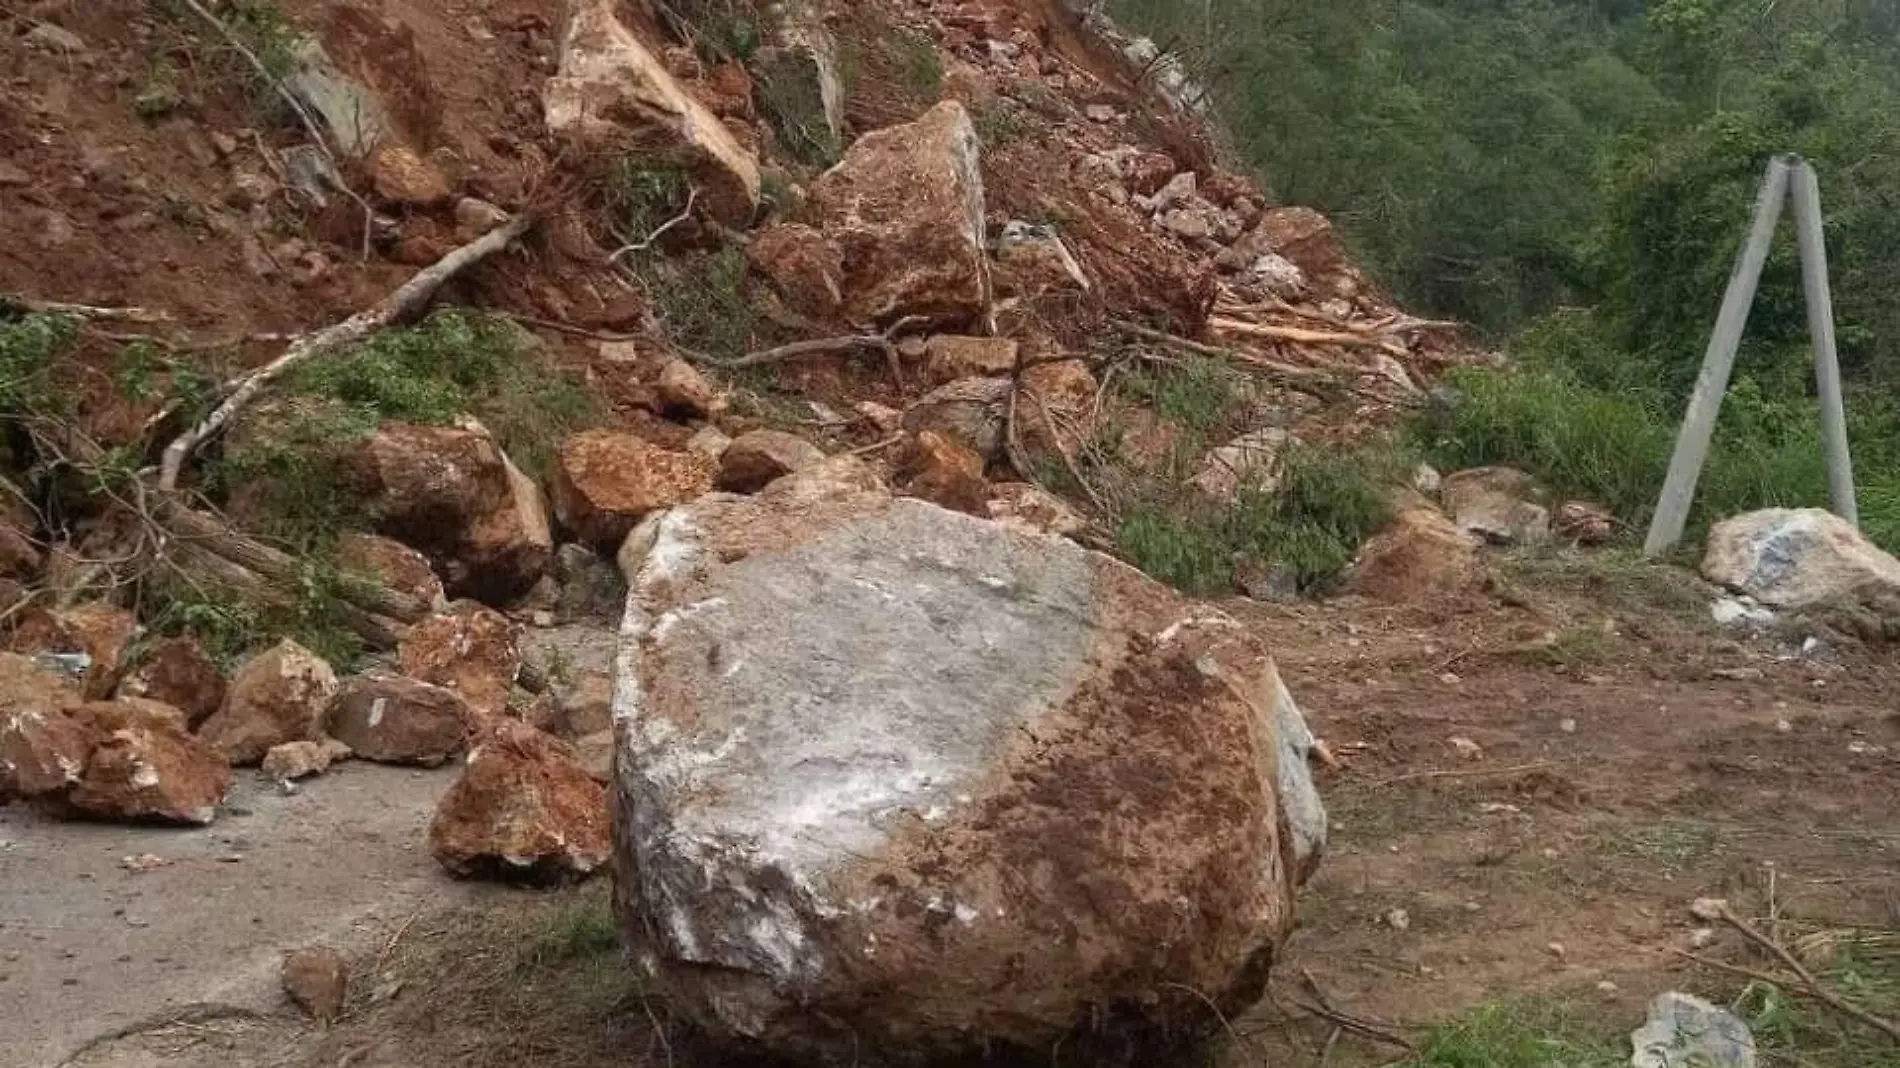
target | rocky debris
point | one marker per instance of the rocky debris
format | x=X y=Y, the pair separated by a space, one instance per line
x=393 y=564
x=389 y=719
x=450 y=493
x=401 y=176
x=1419 y=556
x=1684 y=1030
x=589 y=587
x=317 y=980
x=144 y=767
x=20 y=555
x=178 y=672
x=709 y=441
x=606 y=481
x=1301 y=237
x=351 y=111
x=896 y=229
x=1251 y=461
x=523 y=808
x=802 y=64
x=278 y=697
x=830 y=793
x=1033 y=260
x=1800 y=559
x=1029 y=508
x=613 y=98
x=299 y=760
x=473 y=651
x=756 y=459
x=973 y=412
x=1583 y=523
x=1498 y=504
x=585 y=708
x=596 y=755
x=91 y=639
x=948 y=357
x=931 y=467
x=42 y=750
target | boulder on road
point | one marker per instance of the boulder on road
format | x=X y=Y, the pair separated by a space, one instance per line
x=1800 y=558
x=144 y=768
x=524 y=808
x=297 y=760
x=92 y=637
x=178 y=672
x=606 y=481
x=317 y=980
x=961 y=801
x=42 y=750
x=278 y=697
x=473 y=651
x=389 y=719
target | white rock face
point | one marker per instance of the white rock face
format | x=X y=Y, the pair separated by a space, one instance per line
x=1799 y=558
x=894 y=778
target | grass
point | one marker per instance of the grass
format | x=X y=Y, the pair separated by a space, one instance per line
x=791 y=101
x=1618 y=578
x=232 y=627
x=265 y=30
x=701 y=301
x=1519 y=1035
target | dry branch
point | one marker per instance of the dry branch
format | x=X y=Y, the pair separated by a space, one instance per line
x=405 y=303
x=885 y=343
x=88 y=311
x=1807 y=979
x=692 y=198
x=1286 y=370
x=205 y=532
x=1301 y=336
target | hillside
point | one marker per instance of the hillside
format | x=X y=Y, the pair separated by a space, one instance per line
x=605 y=531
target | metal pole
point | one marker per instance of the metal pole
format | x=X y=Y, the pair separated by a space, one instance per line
x=1692 y=444
x=1827 y=367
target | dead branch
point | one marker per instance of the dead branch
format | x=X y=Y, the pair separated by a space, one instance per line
x=1301 y=336
x=404 y=303
x=203 y=566
x=88 y=311
x=885 y=343
x=1813 y=985
x=1286 y=370
x=1326 y=1010
x=692 y=198
x=1464 y=773
x=210 y=535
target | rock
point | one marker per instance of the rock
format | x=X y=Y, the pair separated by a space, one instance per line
x=1178 y=189
x=709 y=441
x=973 y=412
x=400 y=176
x=452 y=494
x=474 y=217
x=278 y=697
x=606 y=481
x=389 y=719
x=931 y=467
x=1251 y=461
x=756 y=459
x=613 y=98
x=883 y=418
x=802 y=65
x=1684 y=1031
x=1301 y=236
x=50 y=38
x=803 y=265
x=1427 y=480
x=1497 y=504
x=393 y=564
x=178 y=672
x=1584 y=523
x=473 y=651
x=685 y=393
x=523 y=809
x=596 y=755
x=20 y=556
x=317 y=980
x=42 y=751
x=350 y=110
x=1799 y=559
x=587 y=708
x=1021 y=506
x=1034 y=260
x=1741 y=613
x=146 y=769
x=95 y=635
x=296 y=760
x=948 y=357
x=589 y=587
x=904 y=210
x=1419 y=556
x=845 y=809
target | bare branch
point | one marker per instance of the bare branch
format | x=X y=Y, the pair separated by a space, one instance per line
x=692 y=197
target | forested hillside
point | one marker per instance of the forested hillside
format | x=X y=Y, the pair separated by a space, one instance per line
x=1574 y=177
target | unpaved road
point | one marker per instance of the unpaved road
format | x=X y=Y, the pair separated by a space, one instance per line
x=90 y=946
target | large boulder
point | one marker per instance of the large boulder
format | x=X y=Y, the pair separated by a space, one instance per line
x=178 y=672
x=904 y=214
x=42 y=751
x=902 y=783
x=144 y=768
x=278 y=697
x=1502 y=505
x=393 y=564
x=608 y=480
x=88 y=640
x=524 y=808
x=389 y=719
x=614 y=98
x=452 y=494
x=1420 y=555
x=1801 y=559
x=473 y=651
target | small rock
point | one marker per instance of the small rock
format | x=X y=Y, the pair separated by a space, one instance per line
x=1783 y=726
x=278 y=697
x=1684 y=1031
x=1420 y=556
x=948 y=357
x=1583 y=523
x=296 y=760
x=144 y=862
x=1702 y=938
x=1708 y=909
x=473 y=651
x=1468 y=749
x=1567 y=725
x=934 y=468
x=885 y=419
x=761 y=457
x=317 y=979
x=1605 y=986
x=1101 y=113
x=51 y=38
x=685 y=393
x=709 y=441
x=1556 y=949
x=588 y=708
x=474 y=217
x=1398 y=920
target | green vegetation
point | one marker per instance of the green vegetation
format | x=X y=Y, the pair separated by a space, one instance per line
x=1575 y=178
x=264 y=30
x=701 y=301
x=1512 y=1035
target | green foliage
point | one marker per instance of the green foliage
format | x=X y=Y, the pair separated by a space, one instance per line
x=576 y=930
x=794 y=105
x=642 y=198
x=1200 y=393
x=1511 y=1035
x=233 y=626
x=264 y=30
x=27 y=347
x=1000 y=121
x=920 y=64
x=701 y=300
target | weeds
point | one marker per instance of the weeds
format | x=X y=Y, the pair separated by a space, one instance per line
x=1200 y=394
x=794 y=105
x=642 y=199
x=920 y=65
x=232 y=627
x=701 y=301
x=266 y=31
x=1002 y=121
x=1514 y=1035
